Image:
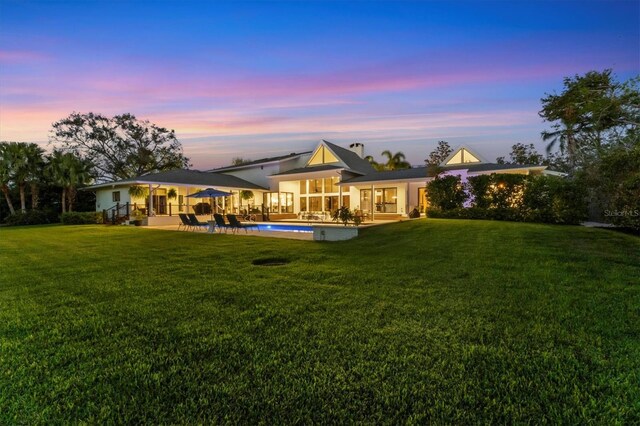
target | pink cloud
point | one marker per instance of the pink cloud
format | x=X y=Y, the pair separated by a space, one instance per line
x=20 y=56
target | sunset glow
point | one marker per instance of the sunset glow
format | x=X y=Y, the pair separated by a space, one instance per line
x=260 y=79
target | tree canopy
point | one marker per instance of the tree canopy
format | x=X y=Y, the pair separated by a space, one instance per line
x=439 y=154
x=522 y=154
x=592 y=111
x=119 y=147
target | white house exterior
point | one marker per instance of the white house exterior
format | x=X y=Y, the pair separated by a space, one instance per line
x=307 y=185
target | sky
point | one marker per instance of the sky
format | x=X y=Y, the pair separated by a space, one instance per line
x=259 y=79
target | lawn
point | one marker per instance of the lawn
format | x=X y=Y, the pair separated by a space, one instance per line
x=429 y=320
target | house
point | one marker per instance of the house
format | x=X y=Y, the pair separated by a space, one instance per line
x=294 y=186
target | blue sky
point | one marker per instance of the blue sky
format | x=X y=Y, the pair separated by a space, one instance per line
x=257 y=79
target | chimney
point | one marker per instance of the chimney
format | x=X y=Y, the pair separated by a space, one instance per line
x=358 y=148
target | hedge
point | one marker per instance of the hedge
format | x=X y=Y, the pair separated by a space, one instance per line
x=31 y=217
x=81 y=218
x=521 y=198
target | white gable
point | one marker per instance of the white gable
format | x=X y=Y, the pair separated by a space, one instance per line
x=462 y=156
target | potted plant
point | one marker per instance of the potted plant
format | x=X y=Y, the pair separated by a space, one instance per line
x=137 y=217
x=344 y=215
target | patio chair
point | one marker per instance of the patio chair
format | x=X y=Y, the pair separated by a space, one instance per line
x=236 y=224
x=185 y=222
x=195 y=223
x=220 y=222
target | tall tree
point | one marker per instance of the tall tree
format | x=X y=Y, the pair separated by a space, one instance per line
x=522 y=154
x=119 y=147
x=593 y=110
x=69 y=172
x=395 y=161
x=374 y=163
x=6 y=161
x=439 y=154
x=24 y=162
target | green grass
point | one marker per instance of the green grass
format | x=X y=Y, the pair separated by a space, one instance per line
x=439 y=320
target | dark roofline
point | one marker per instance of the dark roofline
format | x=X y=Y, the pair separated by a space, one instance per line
x=260 y=161
x=182 y=177
x=424 y=171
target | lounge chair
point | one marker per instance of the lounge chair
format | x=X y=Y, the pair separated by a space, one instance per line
x=185 y=222
x=195 y=223
x=236 y=224
x=220 y=222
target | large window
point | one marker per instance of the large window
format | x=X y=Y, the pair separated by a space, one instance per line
x=315 y=186
x=322 y=156
x=286 y=202
x=386 y=200
x=276 y=202
x=331 y=203
x=315 y=204
x=303 y=187
x=303 y=204
x=365 y=200
x=422 y=199
x=331 y=184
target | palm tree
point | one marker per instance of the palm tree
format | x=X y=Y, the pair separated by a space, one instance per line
x=395 y=161
x=374 y=163
x=68 y=171
x=5 y=173
x=25 y=167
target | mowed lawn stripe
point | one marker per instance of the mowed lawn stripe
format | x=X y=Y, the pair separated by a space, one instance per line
x=428 y=320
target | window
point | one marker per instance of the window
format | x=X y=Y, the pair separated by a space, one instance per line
x=422 y=199
x=386 y=200
x=463 y=156
x=286 y=202
x=365 y=200
x=115 y=196
x=303 y=187
x=180 y=202
x=322 y=156
x=331 y=203
x=315 y=204
x=331 y=184
x=276 y=202
x=303 y=204
x=390 y=200
x=346 y=201
x=315 y=186
x=270 y=200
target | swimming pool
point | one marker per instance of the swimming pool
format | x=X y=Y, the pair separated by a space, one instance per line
x=286 y=228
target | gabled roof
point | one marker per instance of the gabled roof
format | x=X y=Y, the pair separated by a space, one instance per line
x=430 y=171
x=185 y=177
x=310 y=169
x=260 y=161
x=351 y=159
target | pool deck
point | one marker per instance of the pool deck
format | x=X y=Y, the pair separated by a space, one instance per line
x=308 y=236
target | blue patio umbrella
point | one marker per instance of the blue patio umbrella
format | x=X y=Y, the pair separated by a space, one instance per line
x=210 y=193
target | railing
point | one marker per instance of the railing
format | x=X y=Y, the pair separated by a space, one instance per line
x=121 y=212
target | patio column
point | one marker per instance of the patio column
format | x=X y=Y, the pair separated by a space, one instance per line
x=373 y=203
x=150 y=212
x=406 y=199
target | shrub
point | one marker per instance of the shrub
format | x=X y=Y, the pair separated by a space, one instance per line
x=446 y=193
x=81 y=218
x=546 y=199
x=30 y=217
x=202 y=208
